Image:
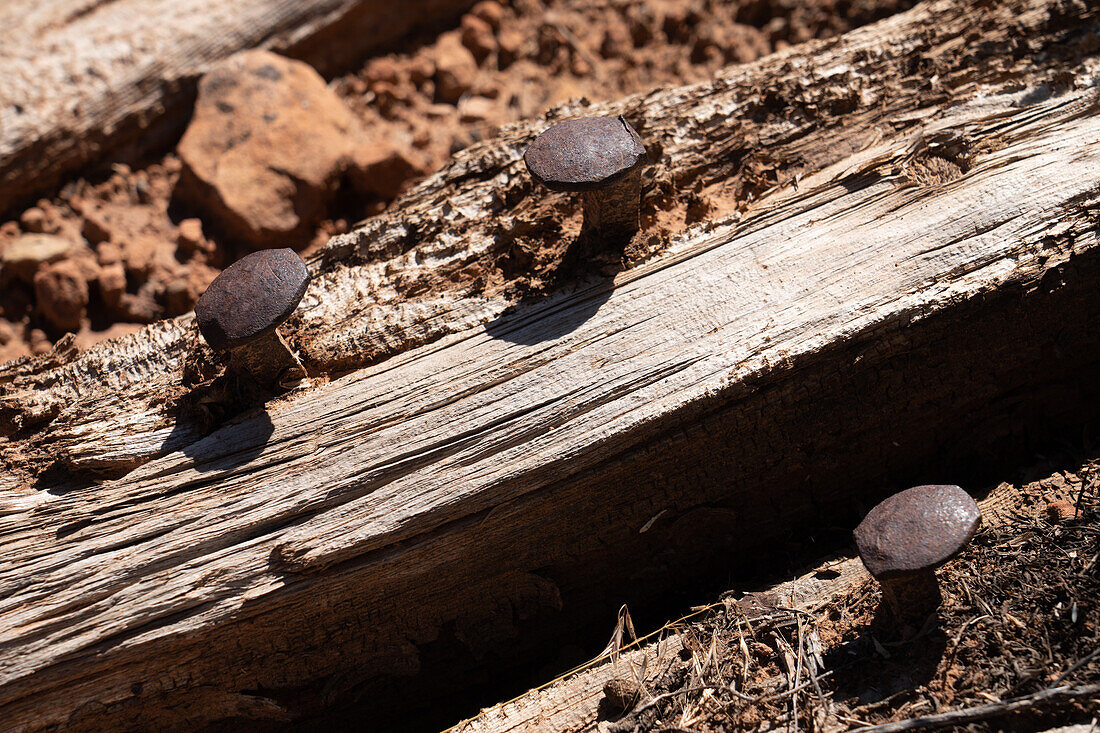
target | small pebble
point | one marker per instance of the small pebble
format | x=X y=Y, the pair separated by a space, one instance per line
x=621 y=693
x=95 y=228
x=1060 y=510
x=189 y=237
x=489 y=11
x=61 y=292
x=33 y=220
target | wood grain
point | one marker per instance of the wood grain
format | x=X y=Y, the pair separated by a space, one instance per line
x=486 y=490
x=399 y=280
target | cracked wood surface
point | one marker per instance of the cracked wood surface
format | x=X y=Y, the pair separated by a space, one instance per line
x=81 y=78
x=499 y=472
x=401 y=280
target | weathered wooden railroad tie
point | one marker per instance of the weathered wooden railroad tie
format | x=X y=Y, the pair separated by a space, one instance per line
x=924 y=292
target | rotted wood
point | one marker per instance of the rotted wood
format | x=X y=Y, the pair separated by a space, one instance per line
x=81 y=79
x=843 y=301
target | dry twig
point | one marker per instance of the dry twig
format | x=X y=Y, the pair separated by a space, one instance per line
x=986 y=712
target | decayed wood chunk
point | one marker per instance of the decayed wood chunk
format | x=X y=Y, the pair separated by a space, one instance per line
x=900 y=231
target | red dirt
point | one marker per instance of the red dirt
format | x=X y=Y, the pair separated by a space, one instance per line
x=138 y=254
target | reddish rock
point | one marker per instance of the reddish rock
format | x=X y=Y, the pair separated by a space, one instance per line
x=421 y=69
x=33 y=220
x=95 y=228
x=112 y=283
x=190 y=233
x=384 y=169
x=74 y=198
x=43 y=218
x=455 y=68
x=510 y=45
x=266 y=148
x=108 y=253
x=179 y=297
x=1060 y=510
x=26 y=254
x=490 y=11
x=189 y=237
x=352 y=87
x=382 y=70
x=86 y=263
x=62 y=294
x=477 y=37
x=389 y=96
x=138 y=255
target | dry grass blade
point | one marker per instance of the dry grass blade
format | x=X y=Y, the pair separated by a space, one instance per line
x=623 y=624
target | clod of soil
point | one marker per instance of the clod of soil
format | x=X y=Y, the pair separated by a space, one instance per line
x=621 y=694
x=62 y=294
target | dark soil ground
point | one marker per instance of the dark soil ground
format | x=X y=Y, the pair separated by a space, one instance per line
x=1020 y=621
x=432 y=97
